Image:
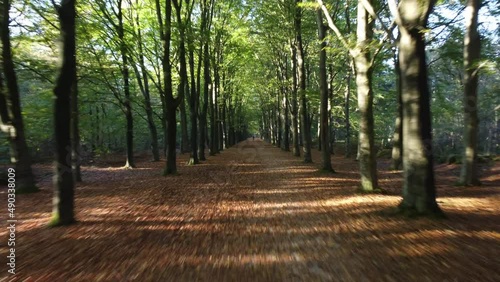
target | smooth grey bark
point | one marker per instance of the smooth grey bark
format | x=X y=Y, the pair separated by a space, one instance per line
x=63 y=200
x=397 y=140
x=204 y=111
x=75 y=132
x=364 y=72
x=183 y=86
x=347 y=94
x=204 y=60
x=294 y=110
x=171 y=102
x=127 y=107
x=419 y=190
x=472 y=53
x=301 y=78
x=184 y=126
x=326 y=163
x=193 y=103
x=11 y=120
x=286 y=109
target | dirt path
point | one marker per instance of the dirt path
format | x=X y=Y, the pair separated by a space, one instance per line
x=253 y=213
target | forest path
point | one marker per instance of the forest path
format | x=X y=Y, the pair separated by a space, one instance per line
x=253 y=213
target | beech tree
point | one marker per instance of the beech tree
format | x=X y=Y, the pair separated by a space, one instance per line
x=419 y=189
x=142 y=77
x=364 y=59
x=472 y=52
x=63 y=204
x=301 y=81
x=171 y=102
x=324 y=119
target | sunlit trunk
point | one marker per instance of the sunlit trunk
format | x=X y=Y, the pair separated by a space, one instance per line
x=472 y=52
x=364 y=70
x=419 y=190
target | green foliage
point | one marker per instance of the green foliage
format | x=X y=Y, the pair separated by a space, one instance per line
x=254 y=38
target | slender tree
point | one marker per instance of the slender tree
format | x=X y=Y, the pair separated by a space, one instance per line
x=301 y=78
x=326 y=164
x=171 y=102
x=126 y=88
x=397 y=140
x=193 y=98
x=75 y=132
x=472 y=53
x=143 y=82
x=294 y=108
x=204 y=55
x=364 y=60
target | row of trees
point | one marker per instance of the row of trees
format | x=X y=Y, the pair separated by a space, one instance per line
x=226 y=68
x=387 y=35
x=131 y=55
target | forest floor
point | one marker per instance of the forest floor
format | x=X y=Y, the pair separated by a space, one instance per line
x=253 y=213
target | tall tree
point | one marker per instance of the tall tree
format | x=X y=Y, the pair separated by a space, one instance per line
x=75 y=132
x=419 y=190
x=143 y=81
x=294 y=108
x=113 y=16
x=63 y=209
x=364 y=60
x=207 y=7
x=364 y=71
x=301 y=78
x=347 y=94
x=11 y=120
x=193 y=97
x=397 y=150
x=126 y=88
x=183 y=87
x=171 y=102
x=472 y=53
x=324 y=118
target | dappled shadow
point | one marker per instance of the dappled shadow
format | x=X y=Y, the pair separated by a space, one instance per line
x=254 y=217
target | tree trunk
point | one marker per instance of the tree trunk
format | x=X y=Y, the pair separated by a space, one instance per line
x=193 y=104
x=75 y=132
x=171 y=102
x=63 y=203
x=216 y=99
x=326 y=164
x=347 y=94
x=206 y=90
x=364 y=70
x=183 y=84
x=419 y=190
x=144 y=85
x=126 y=85
x=301 y=77
x=286 y=111
x=397 y=142
x=213 y=118
x=295 y=110
x=346 y=112
x=12 y=121
x=184 y=127
x=472 y=52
